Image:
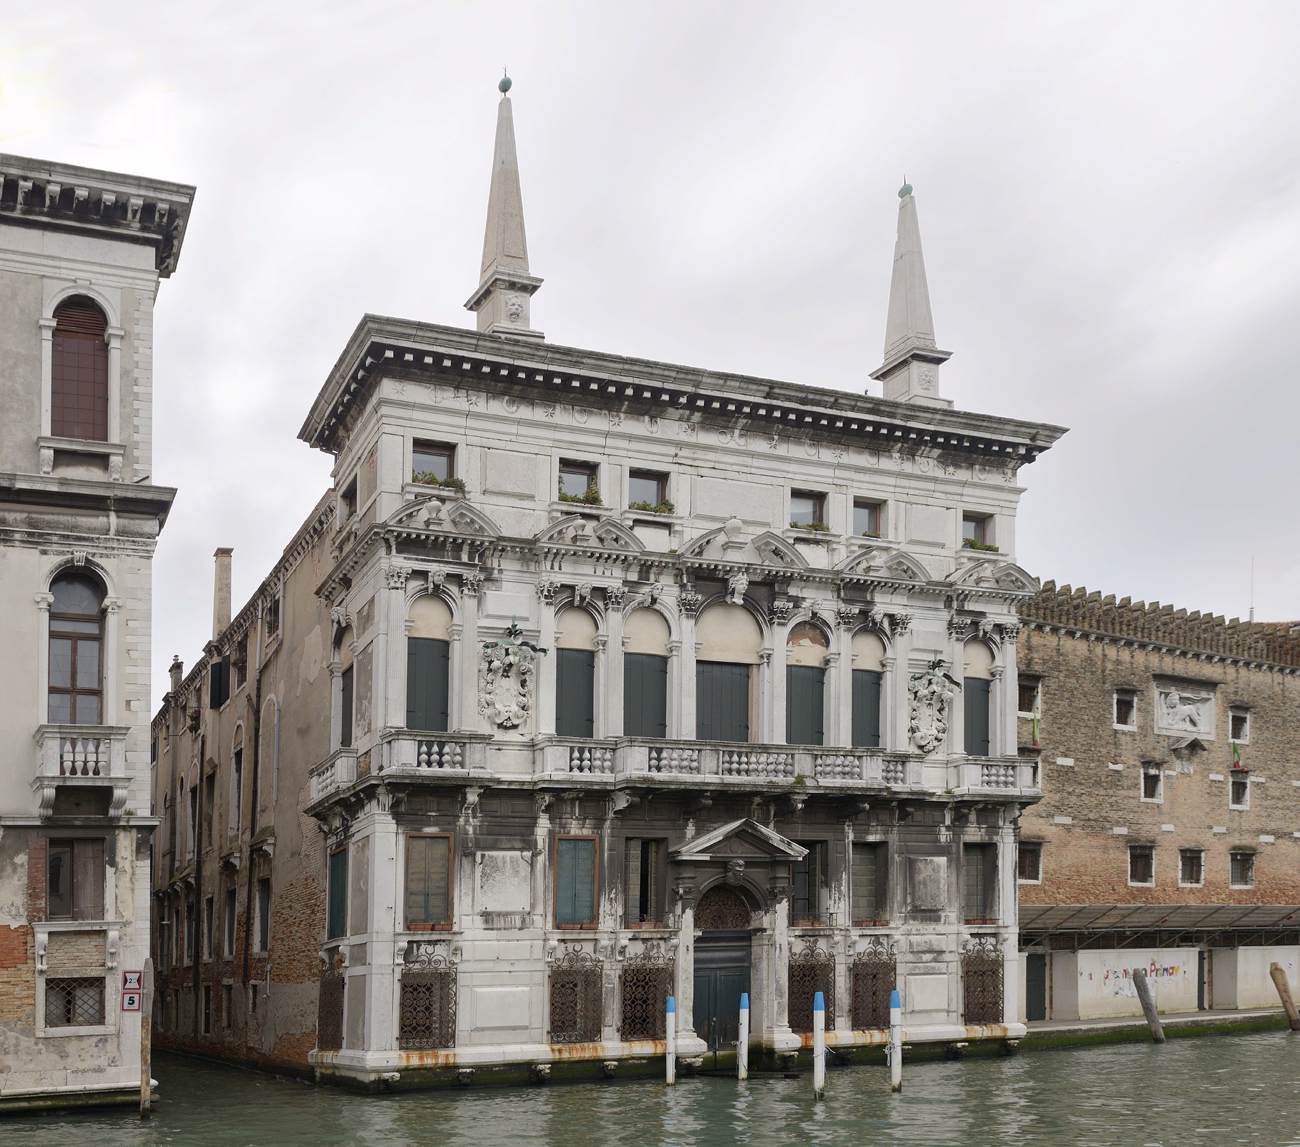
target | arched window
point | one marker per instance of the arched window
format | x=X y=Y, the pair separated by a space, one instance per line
x=428 y=661
x=805 y=684
x=868 y=673
x=79 y=372
x=976 y=684
x=730 y=644
x=76 y=685
x=575 y=673
x=645 y=674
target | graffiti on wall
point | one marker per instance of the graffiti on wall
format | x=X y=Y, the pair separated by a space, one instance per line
x=1117 y=981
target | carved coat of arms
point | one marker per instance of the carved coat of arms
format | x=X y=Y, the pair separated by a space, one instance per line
x=930 y=692
x=505 y=678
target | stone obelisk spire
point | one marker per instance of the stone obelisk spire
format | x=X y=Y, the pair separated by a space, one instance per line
x=910 y=370
x=505 y=287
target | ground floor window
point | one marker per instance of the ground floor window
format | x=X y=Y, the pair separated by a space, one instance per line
x=811 y=971
x=575 y=999
x=74 y=1002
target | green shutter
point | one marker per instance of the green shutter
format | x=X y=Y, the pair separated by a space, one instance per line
x=575 y=891
x=338 y=894
x=866 y=708
x=979 y=881
x=427 y=880
x=975 y=703
x=345 y=733
x=645 y=695
x=869 y=882
x=427 y=663
x=805 y=703
x=721 y=701
x=632 y=882
x=575 y=680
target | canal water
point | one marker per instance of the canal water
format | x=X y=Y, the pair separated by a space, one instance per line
x=1219 y=1090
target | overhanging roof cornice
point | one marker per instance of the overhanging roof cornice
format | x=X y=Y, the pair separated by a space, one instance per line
x=382 y=346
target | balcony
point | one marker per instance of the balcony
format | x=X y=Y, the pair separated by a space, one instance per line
x=402 y=752
x=725 y=763
x=81 y=757
x=334 y=773
x=994 y=776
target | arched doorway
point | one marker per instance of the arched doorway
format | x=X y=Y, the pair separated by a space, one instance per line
x=722 y=963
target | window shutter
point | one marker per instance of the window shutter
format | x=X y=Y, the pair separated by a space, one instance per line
x=805 y=697
x=645 y=695
x=345 y=732
x=632 y=881
x=427 y=677
x=584 y=901
x=575 y=882
x=801 y=886
x=975 y=694
x=866 y=708
x=575 y=672
x=88 y=879
x=722 y=701
x=338 y=903
x=868 y=871
x=427 y=899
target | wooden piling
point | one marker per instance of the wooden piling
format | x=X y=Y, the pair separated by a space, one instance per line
x=895 y=1049
x=146 y=1041
x=819 y=1045
x=742 y=1044
x=1284 y=991
x=1148 y=1002
x=670 y=1042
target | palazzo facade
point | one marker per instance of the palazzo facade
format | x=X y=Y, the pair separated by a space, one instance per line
x=594 y=680
x=82 y=256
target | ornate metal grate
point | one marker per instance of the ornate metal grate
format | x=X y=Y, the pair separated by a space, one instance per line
x=872 y=976
x=722 y=908
x=647 y=984
x=427 y=1011
x=811 y=971
x=981 y=979
x=576 y=993
x=75 y=1001
x=329 y=1014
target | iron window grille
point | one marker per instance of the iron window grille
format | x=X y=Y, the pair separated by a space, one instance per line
x=576 y=999
x=811 y=971
x=74 y=1002
x=981 y=980
x=427 y=1011
x=647 y=984
x=872 y=977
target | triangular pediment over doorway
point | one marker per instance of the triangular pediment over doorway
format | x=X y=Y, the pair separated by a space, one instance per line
x=740 y=840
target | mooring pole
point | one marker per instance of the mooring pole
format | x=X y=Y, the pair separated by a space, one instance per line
x=742 y=1044
x=670 y=1041
x=819 y=1046
x=1284 y=991
x=1148 y=1002
x=146 y=1040
x=895 y=1049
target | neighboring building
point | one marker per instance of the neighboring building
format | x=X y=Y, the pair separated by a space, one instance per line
x=1168 y=837
x=595 y=679
x=81 y=256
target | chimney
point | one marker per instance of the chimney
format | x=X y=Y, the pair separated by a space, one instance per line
x=177 y=672
x=221 y=591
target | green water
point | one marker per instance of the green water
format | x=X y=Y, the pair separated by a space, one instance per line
x=1220 y=1090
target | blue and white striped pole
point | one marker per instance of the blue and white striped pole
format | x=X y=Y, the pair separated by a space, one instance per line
x=742 y=1044
x=895 y=1041
x=819 y=1046
x=670 y=1039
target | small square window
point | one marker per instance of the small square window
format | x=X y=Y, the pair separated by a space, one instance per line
x=1241 y=869
x=976 y=529
x=1153 y=783
x=1191 y=866
x=432 y=461
x=1125 y=709
x=807 y=510
x=1239 y=790
x=867 y=516
x=1239 y=725
x=648 y=490
x=578 y=482
x=1029 y=862
x=1141 y=864
x=1028 y=697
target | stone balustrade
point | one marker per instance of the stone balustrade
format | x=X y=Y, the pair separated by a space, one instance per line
x=335 y=772
x=87 y=756
x=994 y=775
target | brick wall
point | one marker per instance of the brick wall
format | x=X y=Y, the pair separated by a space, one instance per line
x=1084 y=647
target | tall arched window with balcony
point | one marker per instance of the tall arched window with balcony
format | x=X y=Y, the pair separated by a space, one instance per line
x=868 y=654
x=575 y=673
x=976 y=689
x=645 y=674
x=806 y=650
x=79 y=371
x=730 y=645
x=428 y=661
x=76 y=673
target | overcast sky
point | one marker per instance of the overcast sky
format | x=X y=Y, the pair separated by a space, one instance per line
x=1109 y=198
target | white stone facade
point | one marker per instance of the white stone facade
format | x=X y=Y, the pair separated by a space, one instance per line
x=82 y=506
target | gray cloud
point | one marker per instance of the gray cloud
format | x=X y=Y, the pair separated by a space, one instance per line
x=1108 y=196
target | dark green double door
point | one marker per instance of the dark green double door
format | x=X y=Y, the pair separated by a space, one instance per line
x=721 y=976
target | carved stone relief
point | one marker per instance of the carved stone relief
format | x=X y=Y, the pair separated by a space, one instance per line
x=930 y=692
x=505 y=679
